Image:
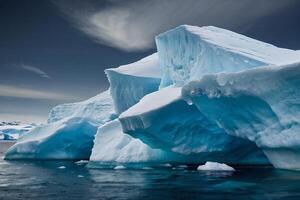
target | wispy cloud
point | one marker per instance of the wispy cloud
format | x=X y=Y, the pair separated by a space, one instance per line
x=19 y=92
x=35 y=70
x=132 y=25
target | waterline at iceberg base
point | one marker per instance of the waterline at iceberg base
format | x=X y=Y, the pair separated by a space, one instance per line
x=208 y=94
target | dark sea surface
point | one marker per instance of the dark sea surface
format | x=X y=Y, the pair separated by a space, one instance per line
x=69 y=180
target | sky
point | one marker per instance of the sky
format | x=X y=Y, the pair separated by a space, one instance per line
x=55 y=51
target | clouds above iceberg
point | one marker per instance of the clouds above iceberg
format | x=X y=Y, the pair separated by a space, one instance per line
x=131 y=25
x=20 y=92
x=35 y=70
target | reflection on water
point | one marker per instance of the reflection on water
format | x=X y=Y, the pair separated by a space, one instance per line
x=68 y=180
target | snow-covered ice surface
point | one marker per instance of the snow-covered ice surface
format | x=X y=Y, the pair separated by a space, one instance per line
x=187 y=53
x=129 y=83
x=261 y=105
x=214 y=166
x=164 y=120
x=69 y=133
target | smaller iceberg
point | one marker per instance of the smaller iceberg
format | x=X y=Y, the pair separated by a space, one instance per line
x=214 y=166
x=70 y=139
x=69 y=133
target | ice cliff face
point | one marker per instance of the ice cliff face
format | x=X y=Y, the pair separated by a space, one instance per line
x=129 y=83
x=208 y=95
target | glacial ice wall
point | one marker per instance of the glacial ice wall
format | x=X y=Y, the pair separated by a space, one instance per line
x=129 y=83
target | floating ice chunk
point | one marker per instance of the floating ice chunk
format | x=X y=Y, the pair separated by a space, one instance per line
x=62 y=167
x=214 y=166
x=147 y=168
x=82 y=162
x=120 y=167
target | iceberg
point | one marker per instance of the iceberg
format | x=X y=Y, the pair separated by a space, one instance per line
x=70 y=139
x=129 y=83
x=214 y=166
x=261 y=105
x=69 y=133
x=187 y=53
x=208 y=94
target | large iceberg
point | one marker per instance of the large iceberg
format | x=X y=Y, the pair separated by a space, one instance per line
x=208 y=94
x=260 y=105
x=188 y=54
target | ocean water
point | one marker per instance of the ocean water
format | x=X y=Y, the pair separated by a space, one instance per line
x=68 y=180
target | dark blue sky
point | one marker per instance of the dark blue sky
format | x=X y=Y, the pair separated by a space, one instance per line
x=55 y=51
